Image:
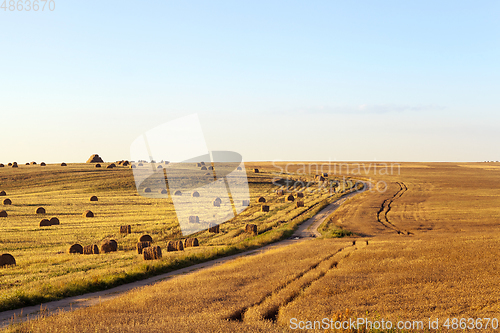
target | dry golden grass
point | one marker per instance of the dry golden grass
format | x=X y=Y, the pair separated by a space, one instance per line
x=447 y=267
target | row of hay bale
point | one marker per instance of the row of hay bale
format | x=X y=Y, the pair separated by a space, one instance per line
x=15 y=165
x=107 y=246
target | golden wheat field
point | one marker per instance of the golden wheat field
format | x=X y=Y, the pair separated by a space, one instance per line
x=423 y=252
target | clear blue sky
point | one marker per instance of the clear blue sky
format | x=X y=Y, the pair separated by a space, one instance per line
x=272 y=80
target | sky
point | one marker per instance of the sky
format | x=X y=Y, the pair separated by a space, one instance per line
x=271 y=80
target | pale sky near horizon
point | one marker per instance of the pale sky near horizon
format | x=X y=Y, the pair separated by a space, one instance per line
x=271 y=80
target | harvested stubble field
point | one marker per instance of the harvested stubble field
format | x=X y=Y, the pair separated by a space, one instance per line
x=45 y=271
x=426 y=248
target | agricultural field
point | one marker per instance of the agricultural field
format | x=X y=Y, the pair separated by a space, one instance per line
x=424 y=247
x=46 y=271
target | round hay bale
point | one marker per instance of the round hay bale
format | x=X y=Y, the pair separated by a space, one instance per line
x=15 y=166
x=10 y=164
x=43 y=164
x=171 y=246
x=238 y=168
x=325 y=175
x=97 y=165
x=265 y=208
x=63 y=164
x=1 y=165
x=141 y=246
x=194 y=219
x=299 y=204
x=54 y=221
x=94 y=198
x=75 y=248
x=198 y=165
x=210 y=168
x=251 y=229
x=33 y=163
x=7 y=202
x=202 y=163
x=261 y=199
x=191 y=242
x=140 y=164
x=125 y=229
x=300 y=194
x=179 y=245
x=88 y=213
x=217 y=202
x=45 y=223
x=280 y=192
x=3 y=213
x=111 y=166
x=195 y=194
x=167 y=162
x=109 y=245
x=95 y=159
x=164 y=191
x=40 y=210
x=290 y=198
x=204 y=168
x=245 y=203
x=215 y=229
x=256 y=170
x=133 y=166
x=159 y=167
x=146 y=238
x=151 y=253
x=147 y=190
x=27 y=163
x=2 y=193
x=91 y=249
x=7 y=259
x=126 y=163
x=178 y=192
x=207 y=174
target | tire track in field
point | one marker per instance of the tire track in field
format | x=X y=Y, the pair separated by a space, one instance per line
x=268 y=306
x=386 y=207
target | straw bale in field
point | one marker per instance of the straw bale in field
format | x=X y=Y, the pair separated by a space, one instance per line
x=43 y=164
x=191 y=242
x=3 y=213
x=178 y=192
x=300 y=204
x=2 y=193
x=179 y=246
x=215 y=229
x=75 y=248
x=245 y=203
x=33 y=163
x=325 y=175
x=97 y=165
x=171 y=246
x=63 y=164
x=217 y=202
x=7 y=259
x=203 y=168
x=300 y=194
x=40 y=210
x=290 y=198
x=164 y=191
x=194 y=219
x=256 y=170
x=54 y=221
x=125 y=229
x=94 y=198
x=147 y=190
x=140 y=164
x=95 y=159
x=1 y=165
x=45 y=223
x=7 y=202
x=9 y=164
x=91 y=249
x=146 y=238
x=151 y=253
x=109 y=245
x=261 y=199
x=280 y=192
x=251 y=229
x=159 y=167
x=88 y=213
x=141 y=246
x=126 y=163
x=195 y=194
x=265 y=208
x=238 y=168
